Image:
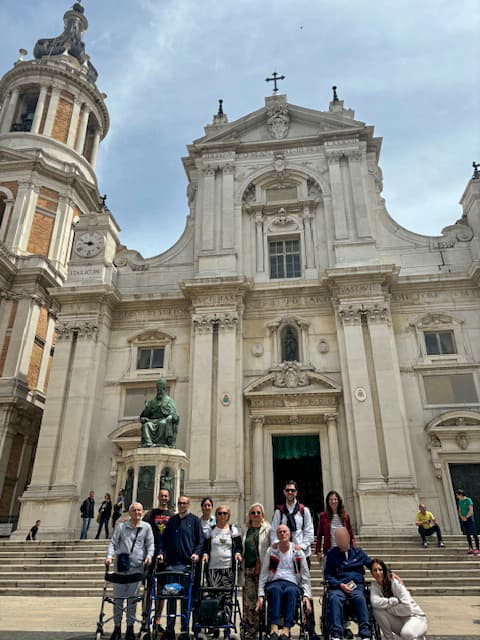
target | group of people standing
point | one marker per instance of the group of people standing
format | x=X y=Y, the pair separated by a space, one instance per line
x=106 y=511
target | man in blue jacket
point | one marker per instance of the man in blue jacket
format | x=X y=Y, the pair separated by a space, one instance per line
x=344 y=573
x=180 y=545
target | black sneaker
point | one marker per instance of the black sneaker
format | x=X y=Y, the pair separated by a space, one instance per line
x=117 y=634
x=348 y=634
x=425 y=544
x=440 y=544
x=129 y=635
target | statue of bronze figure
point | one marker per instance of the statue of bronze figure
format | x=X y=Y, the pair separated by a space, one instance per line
x=159 y=419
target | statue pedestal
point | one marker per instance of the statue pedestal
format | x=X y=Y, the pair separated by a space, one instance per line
x=143 y=472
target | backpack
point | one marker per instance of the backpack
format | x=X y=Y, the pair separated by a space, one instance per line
x=301 y=511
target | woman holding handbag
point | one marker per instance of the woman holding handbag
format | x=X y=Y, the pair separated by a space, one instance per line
x=256 y=540
x=103 y=516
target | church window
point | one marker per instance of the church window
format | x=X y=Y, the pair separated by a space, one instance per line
x=290 y=351
x=150 y=358
x=457 y=388
x=285 y=258
x=439 y=343
x=25 y=111
x=3 y=206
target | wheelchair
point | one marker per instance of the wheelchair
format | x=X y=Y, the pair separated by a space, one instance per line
x=348 y=614
x=303 y=620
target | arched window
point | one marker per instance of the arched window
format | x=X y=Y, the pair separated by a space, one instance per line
x=290 y=351
x=3 y=206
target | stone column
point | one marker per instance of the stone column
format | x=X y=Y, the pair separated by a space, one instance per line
x=229 y=438
x=258 y=474
x=24 y=221
x=334 y=454
x=6 y=304
x=72 y=131
x=96 y=143
x=201 y=398
x=360 y=205
x=364 y=424
x=9 y=203
x=37 y=119
x=390 y=398
x=338 y=198
x=307 y=229
x=46 y=353
x=62 y=227
x=6 y=440
x=208 y=213
x=228 y=230
x=52 y=111
x=260 y=261
x=76 y=389
x=22 y=337
x=7 y=119
x=82 y=129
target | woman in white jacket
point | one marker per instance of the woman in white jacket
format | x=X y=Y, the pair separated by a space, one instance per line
x=393 y=607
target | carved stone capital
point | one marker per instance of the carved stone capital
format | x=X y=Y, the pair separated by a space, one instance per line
x=84 y=329
x=228 y=321
x=228 y=169
x=209 y=171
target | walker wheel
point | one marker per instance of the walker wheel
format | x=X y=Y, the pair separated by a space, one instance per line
x=234 y=636
x=98 y=635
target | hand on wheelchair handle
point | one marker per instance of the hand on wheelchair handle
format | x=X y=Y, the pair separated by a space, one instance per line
x=259 y=604
x=194 y=558
x=307 y=604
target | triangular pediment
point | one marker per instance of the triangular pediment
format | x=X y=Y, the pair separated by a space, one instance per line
x=288 y=122
x=8 y=155
x=292 y=377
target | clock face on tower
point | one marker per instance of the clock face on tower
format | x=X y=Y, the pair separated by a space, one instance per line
x=89 y=244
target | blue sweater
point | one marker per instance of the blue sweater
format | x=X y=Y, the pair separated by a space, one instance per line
x=339 y=570
x=182 y=537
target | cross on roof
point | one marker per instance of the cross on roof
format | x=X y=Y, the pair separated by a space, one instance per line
x=275 y=77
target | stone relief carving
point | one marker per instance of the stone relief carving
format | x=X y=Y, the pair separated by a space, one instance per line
x=323 y=346
x=84 y=329
x=203 y=323
x=354 y=313
x=257 y=350
x=290 y=375
x=192 y=188
x=278 y=121
x=249 y=194
x=462 y=440
x=314 y=190
x=279 y=163
x=130 y=258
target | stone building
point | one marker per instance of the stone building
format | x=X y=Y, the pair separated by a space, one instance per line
x=302 y=331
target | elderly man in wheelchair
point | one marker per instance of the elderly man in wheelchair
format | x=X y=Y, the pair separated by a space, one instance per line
x=344 y=577
x=285 y=580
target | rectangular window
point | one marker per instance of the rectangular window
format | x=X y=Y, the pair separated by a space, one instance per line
x=457 y=388
x=135 y=399
x=439 y=343
x=150 y=358
x=285 y=259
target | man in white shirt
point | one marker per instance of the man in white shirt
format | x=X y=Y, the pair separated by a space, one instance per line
x=298 y=519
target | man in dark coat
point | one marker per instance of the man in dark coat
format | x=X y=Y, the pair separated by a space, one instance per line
x=88 y=512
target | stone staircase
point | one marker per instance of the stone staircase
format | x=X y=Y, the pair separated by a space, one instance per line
x=75 y=568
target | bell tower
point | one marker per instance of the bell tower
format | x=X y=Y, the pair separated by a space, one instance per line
x=52 y=120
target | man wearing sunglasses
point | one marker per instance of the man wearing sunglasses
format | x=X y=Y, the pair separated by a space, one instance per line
x=298 y=519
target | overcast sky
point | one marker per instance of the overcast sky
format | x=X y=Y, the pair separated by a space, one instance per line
x=410 y=68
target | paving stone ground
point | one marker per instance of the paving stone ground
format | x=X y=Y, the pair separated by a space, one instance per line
x=37 y=618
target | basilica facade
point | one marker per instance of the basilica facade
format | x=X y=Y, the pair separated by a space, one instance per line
x=302 y=332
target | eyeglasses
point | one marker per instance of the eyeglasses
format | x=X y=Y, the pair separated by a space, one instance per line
x=255 y=513
x=222 y=513
x=290 y=490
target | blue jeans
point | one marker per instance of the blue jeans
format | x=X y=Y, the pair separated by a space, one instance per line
x=85 y=525
x=103 y=523
x=336 y=600
x=282 y=601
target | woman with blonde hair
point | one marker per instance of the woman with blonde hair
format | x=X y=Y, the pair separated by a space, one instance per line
x=256 y=540
x=221 y=549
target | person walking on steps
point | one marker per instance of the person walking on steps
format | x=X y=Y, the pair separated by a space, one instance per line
x=467 y=520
